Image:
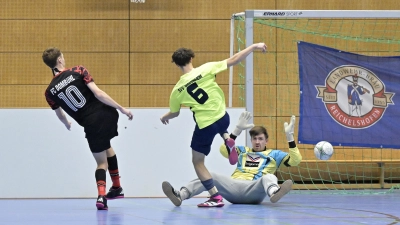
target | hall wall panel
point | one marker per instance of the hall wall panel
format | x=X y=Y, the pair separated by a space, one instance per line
x=169 y=35
x=22 y=96
x=106 y=68
x=193 y=9
x=66 y=9
x=69 y=35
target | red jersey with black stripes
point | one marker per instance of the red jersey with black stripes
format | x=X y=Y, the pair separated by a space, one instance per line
x=69 y=90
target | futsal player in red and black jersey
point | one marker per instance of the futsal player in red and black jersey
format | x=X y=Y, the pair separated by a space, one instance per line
x=73 y=90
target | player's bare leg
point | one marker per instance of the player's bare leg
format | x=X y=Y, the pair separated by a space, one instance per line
x=110 y=152
x=205 y=177
x=101 y=159
x=200 y=168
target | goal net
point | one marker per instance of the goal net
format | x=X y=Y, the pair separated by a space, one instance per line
x=268 y=85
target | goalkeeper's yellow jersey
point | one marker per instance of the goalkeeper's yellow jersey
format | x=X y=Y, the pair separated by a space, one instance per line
x=199 y=91
x=253 y=165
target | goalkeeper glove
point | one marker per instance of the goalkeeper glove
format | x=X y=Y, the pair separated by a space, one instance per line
x=242 y=123
x=289 y=129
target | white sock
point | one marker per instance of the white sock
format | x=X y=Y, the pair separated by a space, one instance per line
x=184 y=194
x=271 y=189
x=226 y=136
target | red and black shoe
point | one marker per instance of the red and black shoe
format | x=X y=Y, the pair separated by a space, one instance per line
x=115 y=192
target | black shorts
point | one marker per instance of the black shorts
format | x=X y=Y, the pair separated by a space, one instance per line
x=102 y=130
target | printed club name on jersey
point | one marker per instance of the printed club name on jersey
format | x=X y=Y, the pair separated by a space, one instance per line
x=61 y=84
x=252 y=160
x=190 y=82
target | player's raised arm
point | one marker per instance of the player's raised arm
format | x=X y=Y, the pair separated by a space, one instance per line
x=240 y=56
x=294 y=158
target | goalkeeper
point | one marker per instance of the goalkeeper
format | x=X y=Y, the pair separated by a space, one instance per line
x=253 y=178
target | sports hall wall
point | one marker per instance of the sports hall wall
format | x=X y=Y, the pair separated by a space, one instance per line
x=127 y=48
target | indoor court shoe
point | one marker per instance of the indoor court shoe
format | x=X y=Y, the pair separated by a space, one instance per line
x=216 y=201
x=233 y=156
x=282 y=191
x=171 y=193
x=115 y=193
x=101 y=203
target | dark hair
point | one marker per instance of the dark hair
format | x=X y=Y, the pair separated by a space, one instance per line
x=258 y=130
x=182 y=56
x=50 y=56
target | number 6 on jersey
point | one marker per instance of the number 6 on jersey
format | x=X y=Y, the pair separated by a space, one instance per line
x=199 y=95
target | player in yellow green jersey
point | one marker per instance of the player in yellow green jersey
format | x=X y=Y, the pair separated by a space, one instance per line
x=198 y=90
x=253 y=178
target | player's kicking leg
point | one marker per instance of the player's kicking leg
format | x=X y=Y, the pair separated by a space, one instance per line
x=230 y=146
x=223 y=125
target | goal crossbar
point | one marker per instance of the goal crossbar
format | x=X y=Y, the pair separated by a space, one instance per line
x=320 y=13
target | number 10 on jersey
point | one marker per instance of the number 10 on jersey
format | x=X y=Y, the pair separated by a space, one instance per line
x=73 y=102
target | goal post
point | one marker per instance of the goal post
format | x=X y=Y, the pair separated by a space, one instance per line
x=274 y=80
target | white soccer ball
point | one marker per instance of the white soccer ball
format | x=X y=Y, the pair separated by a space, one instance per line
x=323 y=150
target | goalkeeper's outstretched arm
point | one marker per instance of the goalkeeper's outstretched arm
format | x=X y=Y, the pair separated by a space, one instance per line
x=294 y=157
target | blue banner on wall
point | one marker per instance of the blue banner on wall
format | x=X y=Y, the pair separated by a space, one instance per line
x=348 y=99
